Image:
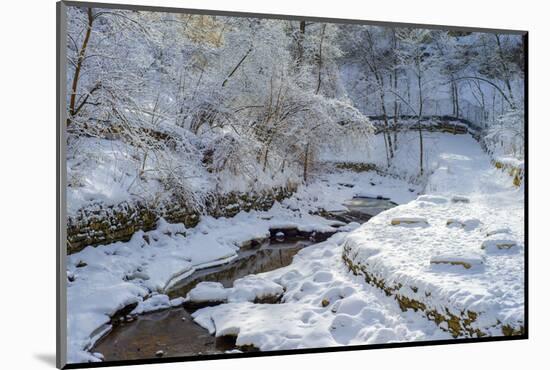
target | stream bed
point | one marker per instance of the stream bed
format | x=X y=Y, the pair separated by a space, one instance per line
x=172 y=332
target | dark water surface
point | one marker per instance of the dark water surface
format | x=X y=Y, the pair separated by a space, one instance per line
x=174 y=332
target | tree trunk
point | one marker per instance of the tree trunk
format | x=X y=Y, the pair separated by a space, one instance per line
x=386 y=130
x=421 y=150
x=300 y=41
x=506 y=71
x=320 y=65
x=395 y=111
x=453 y=98
x=265 y=158
x=386 y=147
x=306 y=160
x=80 y=60
x=420 y=107
x=456 y=101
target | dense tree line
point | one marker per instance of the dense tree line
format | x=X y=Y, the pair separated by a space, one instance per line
x=259 y=99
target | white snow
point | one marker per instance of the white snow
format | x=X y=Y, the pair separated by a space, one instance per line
x=247 y=289
x=122 y=273
x=401 y=257
x=253 y=287
x=207 y=291
x=356 y=313
x=404 y=220
x=156 y=302
x=323 y=303
x=498 y=230
x=466 y=260
x=496 y=243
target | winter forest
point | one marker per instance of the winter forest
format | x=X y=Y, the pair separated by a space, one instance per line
x=245 y=184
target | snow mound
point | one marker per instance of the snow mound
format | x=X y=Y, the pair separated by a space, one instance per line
x=496 y=243
x=155 y=303
x=498 y=230
x=467 y=261
x=254 y=288
x=251 y=288
x=207 y=291
x=466 y=224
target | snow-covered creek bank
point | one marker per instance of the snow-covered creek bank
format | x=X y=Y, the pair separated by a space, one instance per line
x=456 y=244
x=172 y=331
x=107 y=281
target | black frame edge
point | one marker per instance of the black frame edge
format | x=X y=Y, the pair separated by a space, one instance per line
x=291 y=352
x=526 y=180
x=61 y=161
x=240 y=14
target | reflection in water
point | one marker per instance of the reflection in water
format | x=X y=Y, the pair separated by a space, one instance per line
x=369 y=206
x=268 y=257
x=166 y=331
x=361 y=209
x=174 y=332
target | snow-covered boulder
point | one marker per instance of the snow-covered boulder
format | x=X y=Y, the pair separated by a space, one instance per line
x=498 y=243
x=155 y=303
x=465 y=260
x=206 y=292
x=409 y=221
x=251 y=288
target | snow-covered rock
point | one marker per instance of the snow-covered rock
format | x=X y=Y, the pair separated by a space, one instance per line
x=408 y=220
x=251 y=288
x=154 y=303
x=207 y=291
x=497 y=243
x=465 y=260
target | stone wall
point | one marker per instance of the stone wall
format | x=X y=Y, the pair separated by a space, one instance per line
x=102 y=224
x=517 y=173
x=460 y=325
x=449 y=126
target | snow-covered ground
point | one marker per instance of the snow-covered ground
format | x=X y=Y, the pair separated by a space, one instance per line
x=406 y=161
x=467 y=256
x=104 y=279
x=324 y=305
x=459 y=246
x=440 y=250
